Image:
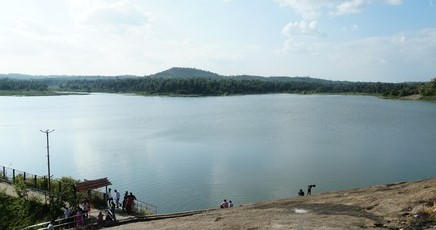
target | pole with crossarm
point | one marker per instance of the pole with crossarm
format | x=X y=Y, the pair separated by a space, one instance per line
x=47 y=132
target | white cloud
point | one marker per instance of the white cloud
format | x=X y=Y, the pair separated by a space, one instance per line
x=35 y=28
x=399 y=39
x=32 y=38
x=350 y=7
x=298 y=46
x=121 y=15
x=35 y=31
x=313 y=9
x=307 y=9
x=401 y=57
x=301 y=28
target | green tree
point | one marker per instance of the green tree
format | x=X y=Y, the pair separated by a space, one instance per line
x=428 y=89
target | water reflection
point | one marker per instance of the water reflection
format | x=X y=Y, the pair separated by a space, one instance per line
x=190 y=153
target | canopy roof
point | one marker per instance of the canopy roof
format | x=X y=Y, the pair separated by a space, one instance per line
x=92 y=184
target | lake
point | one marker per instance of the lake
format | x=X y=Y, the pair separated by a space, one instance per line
x=185 y=153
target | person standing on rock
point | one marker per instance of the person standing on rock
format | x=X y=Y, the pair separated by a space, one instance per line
x=117 y=197
x=113 y=211
x=309 y=189
x=110 y=198
x=126 y=195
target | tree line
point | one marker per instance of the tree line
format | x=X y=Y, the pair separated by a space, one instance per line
x=22 y=85
x=217 y=86
x=204 y=86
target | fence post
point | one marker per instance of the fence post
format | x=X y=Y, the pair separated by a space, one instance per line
x=24 y=177
x=13 y=175
x=34 y=181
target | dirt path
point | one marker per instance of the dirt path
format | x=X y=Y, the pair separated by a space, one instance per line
x=393 y=206
x=10 y=190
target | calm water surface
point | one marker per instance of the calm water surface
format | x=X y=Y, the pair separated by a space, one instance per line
x=190 y=153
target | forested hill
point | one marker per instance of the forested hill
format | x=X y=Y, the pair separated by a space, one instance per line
x=188 y=73
x=185 y=73
x=190 y=81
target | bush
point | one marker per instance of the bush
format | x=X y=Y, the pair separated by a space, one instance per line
x=18 y=213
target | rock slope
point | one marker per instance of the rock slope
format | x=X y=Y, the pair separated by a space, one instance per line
x=404 y=205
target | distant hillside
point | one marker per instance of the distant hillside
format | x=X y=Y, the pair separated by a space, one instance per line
x=186 y=73
x=181 y=73
x=174 y=73
x=191 y=81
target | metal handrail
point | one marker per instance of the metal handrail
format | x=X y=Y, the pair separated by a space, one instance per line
x=32 y=181
x=144 y=206
x=9 y=175
x=63 y=222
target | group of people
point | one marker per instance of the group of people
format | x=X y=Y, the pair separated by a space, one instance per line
x=111 y=196
x=78 y=214
x=128 y=203
x=101 y=219
x=226 y=204
x=309 y=190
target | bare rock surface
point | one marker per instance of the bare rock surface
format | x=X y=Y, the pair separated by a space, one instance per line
x=404 y=205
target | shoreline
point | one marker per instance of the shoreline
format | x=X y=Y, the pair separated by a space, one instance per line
x=416 y=97
x=399 y=205
x=402 y=205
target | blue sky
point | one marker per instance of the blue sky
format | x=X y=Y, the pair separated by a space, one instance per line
x=356 y=40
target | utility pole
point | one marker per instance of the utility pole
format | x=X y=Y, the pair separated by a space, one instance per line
x=47 y=132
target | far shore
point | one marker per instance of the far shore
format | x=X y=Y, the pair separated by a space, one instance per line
x=416 y=97
x=34 y=93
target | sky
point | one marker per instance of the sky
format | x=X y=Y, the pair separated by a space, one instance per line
x=354 y=40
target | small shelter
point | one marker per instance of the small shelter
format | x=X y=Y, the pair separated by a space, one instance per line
x=88 y=185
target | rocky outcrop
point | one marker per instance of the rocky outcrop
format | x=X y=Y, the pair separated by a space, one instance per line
x=405 y=205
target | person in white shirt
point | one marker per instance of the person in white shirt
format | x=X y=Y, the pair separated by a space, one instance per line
x=117 y=197
x=67 y=212
x=110 y=198
x=50 y=226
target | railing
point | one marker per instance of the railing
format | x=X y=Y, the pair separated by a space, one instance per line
x=64 y=223
x=40 y=183
x=32 y=181
x=143 y=207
